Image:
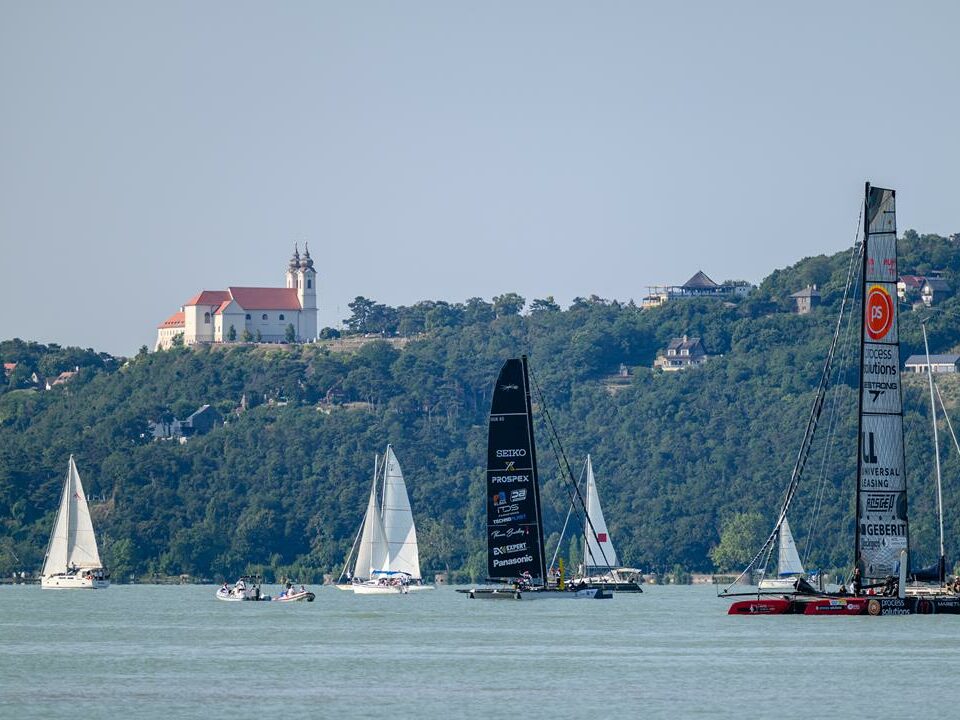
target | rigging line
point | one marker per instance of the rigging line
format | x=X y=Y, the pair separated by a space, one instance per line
x=553 y=560
x=833 y=419
x=946 y=416
x=812 y=421
x=576 y=495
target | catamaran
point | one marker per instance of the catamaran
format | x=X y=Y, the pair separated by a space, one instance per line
x=388 y=558
x=601 y=567
x=72 y=559
x=515 y=549
x=881 y=539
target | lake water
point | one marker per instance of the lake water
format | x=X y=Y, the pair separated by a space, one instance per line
x=170 y=652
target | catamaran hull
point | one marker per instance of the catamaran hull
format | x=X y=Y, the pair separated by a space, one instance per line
x=72 y=582
x=839 y=606
x=511 y=594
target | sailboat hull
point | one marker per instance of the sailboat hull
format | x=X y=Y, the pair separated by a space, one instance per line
x=72 y=582
x=364 y=589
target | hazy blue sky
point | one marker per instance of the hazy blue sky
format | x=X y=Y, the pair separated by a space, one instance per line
x=441 y=150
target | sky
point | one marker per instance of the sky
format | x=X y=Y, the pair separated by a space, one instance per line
x=445 y=150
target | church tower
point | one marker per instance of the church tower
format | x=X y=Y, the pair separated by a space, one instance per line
x=293 y=268
x=307 y=294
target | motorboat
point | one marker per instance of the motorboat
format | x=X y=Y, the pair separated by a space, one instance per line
x=246 y=589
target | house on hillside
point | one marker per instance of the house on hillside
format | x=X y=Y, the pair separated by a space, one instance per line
x=681 y=353
x=908 y=287
x=935 y=290
x=806 y=300
x=200 y=422
x=62 y=378
x=938 y=363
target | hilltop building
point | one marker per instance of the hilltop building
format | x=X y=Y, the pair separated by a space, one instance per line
x=682 y=353
x=698 y=286
x=227 y=315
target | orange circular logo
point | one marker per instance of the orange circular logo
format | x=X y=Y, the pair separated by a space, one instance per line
x=879 y=312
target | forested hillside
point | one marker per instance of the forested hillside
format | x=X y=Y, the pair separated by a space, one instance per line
x=282 y=485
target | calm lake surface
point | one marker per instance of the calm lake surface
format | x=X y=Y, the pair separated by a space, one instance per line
x=169 y=652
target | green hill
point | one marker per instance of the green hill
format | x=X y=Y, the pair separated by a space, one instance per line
x=283 y=484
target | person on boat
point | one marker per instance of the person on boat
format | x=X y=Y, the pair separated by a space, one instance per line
x=855 y=582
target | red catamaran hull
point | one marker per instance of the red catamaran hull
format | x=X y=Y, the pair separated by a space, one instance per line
x=875 y=606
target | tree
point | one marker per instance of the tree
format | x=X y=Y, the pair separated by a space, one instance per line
x=259 y=336
x=177 y=341
x=508 y=304
x=329 y=333
x=546 y=304
x=142 y=352
x=291 y=334
x=740 y=539
x=247 y=335
x=232 y=334
x=361 y=308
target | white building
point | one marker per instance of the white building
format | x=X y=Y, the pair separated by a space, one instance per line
x=938 y=363
x=226 y=315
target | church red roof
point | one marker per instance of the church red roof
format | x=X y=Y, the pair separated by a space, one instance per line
x=209 y=297
x=174 y=321
x=254 y=298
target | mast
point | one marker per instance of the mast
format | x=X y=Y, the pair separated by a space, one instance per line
x=882 y=529
x=533 y=466
x=941 y=566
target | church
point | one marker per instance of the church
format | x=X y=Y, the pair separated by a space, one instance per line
x=231 y=315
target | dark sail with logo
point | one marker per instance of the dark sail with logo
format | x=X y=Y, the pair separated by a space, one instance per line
x=882 y=529
x=514 y=528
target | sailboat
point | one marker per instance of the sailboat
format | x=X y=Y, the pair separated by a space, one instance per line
x=601 y=568
x=388 y=558
x=515 y=549
x=881 y=538
x=789 y=565
x=72 y=559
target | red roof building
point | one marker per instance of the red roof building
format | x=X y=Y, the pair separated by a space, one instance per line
x=242 y=314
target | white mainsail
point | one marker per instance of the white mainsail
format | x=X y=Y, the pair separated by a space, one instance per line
x=72 y=542
x=373 y=553
x=789 y=559
x=399 y=530
x=599 y=550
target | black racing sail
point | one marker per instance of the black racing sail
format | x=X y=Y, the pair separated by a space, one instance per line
x=514 y=524
x=882 y=535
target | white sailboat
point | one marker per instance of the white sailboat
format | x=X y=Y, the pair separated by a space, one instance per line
x=388 y=559
x=789 y=565
x=601 y=567
x=72 y=559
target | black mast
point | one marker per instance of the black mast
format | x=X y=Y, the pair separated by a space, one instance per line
x=863 y=311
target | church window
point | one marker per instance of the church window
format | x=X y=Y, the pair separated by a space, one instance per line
x=248 y=316
x=263 y=317
x=206 y=318
x=309 y=283
x=281 y=316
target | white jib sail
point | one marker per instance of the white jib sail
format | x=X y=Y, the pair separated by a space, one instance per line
x=599 y=550
x=399 y=530
x=372 y=554
x=72 y=541
x=789 y=559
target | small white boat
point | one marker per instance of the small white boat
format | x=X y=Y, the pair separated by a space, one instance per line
x=73 y=560
x=292 y=594
x=246 y=589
